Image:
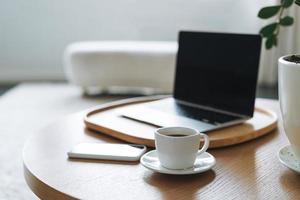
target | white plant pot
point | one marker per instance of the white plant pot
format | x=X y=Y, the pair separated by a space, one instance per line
x=289 y=98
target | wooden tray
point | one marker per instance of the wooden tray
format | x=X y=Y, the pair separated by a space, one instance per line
x=106 y=119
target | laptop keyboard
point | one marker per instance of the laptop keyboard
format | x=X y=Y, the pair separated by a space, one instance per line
x=210 y=117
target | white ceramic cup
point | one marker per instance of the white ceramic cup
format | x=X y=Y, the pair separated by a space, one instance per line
x=179 y=152
x=289 y=98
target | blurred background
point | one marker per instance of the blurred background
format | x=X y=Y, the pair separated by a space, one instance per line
x=34 y=34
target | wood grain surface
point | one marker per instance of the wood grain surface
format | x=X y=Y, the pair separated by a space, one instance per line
x=108 y=120
x=250 y=170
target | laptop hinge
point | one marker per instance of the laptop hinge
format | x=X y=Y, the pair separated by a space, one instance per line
x=210 y=108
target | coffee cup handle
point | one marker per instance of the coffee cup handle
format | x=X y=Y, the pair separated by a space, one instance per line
x=205 y=145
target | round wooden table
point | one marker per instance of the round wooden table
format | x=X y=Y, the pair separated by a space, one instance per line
x=246 y=171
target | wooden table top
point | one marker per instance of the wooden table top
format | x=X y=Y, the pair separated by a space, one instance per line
x=246 y=171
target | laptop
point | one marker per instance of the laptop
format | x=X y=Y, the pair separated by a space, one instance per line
x=215 y=83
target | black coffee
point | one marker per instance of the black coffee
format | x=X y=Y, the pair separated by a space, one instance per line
x=177 y=135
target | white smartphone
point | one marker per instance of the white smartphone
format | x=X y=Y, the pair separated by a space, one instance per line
x=123 y=152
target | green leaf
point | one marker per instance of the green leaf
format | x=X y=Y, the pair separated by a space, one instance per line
x=286 y=21
x=275 y=40
x=297 y=2
x=286 y=3
x=271 y=41
x=268 y=43
x=268 y=30
x=268 y=12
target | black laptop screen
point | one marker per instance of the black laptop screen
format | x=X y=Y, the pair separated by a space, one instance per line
x=218 y=70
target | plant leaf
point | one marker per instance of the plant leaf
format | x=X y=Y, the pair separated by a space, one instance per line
x=268 y=12
x=274 y=40
x=268 y=43
x=268 y=30
x=271 y=41
x=297 y=2
x=286 y=3
x=286 y=21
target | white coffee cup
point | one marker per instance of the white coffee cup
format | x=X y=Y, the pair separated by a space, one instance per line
x=178 y=147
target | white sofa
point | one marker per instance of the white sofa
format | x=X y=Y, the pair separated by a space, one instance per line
x=121 y=66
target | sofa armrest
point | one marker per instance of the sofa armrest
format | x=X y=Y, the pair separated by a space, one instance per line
x=124 y=64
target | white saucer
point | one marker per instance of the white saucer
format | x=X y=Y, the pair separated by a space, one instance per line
x=203 y=163
x=287 y=158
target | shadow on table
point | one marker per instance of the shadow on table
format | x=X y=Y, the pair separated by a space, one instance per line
x=104 y=161
x=179 y=187
x=289 y=181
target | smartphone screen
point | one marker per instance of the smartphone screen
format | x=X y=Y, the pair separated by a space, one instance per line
x=107 y=151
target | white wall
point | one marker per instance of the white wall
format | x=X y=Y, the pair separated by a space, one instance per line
x=34 y=33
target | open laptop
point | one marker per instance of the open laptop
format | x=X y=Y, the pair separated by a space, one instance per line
x=215 y=83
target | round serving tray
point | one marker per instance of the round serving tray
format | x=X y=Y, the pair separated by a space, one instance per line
x=106 y=119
